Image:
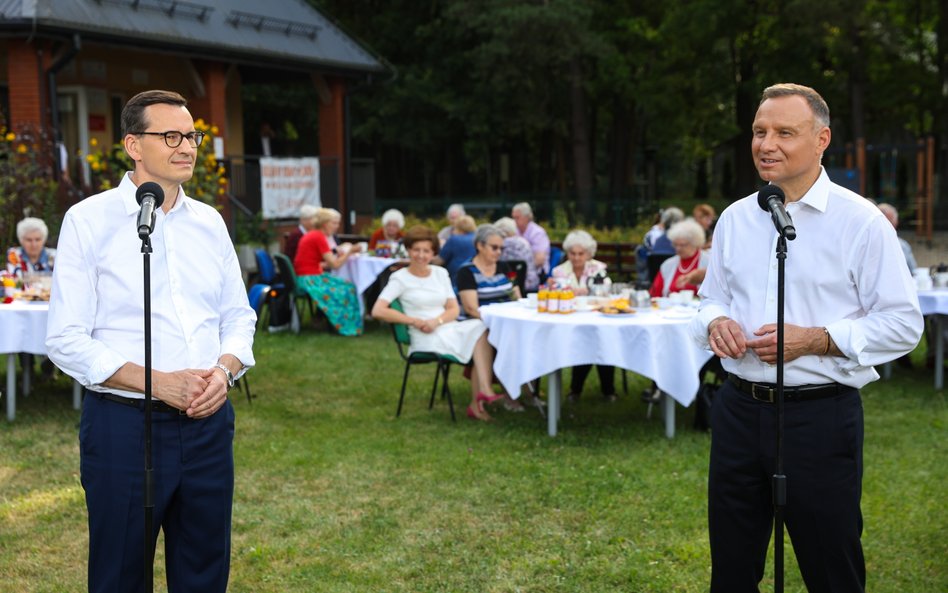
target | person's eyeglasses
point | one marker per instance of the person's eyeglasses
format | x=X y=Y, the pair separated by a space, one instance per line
x=495 y=247
x=174 y=139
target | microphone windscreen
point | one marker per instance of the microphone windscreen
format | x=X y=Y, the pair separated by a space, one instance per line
x=150 y=188
x=767 y=192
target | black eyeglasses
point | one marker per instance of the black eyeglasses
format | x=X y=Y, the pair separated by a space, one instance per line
x=174 y=139
x=494 y=247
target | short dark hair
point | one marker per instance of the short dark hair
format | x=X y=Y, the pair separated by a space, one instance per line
x=821 y=111
x=417 y=234
x=133 y=114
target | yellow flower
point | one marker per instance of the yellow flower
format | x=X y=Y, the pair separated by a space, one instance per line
x=10 y=137
x=220 y=170
x=93 y=142
x=96 y=167
x=222 y=181
x=90 y=158
x=221 y=191
x=199 y=124
x=214 y=130
x=21 y=148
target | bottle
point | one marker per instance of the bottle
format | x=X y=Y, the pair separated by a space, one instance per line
x=567 y=301
x=553 y=300
x=542 y=296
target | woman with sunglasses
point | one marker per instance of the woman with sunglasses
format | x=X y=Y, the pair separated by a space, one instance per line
x=486 y=280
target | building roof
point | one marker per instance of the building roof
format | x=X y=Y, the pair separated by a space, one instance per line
x=291 y=34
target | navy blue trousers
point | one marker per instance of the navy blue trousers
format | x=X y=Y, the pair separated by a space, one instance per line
x=823 y=464
x=194 y=487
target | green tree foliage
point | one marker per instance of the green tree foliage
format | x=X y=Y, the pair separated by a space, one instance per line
x=506 y=95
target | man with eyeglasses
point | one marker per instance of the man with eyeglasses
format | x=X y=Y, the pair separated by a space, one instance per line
x=202 y=338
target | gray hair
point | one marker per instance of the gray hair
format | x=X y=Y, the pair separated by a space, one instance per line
x=393 y=215
x=580 y=239
x=456 y=210
x=523 y=208
x=890 y=213
x=507 y=226
x=670 y=216
x=485 y=232
x=689 y=230
x=821 y=111
x=28 y=225
x=308 y=212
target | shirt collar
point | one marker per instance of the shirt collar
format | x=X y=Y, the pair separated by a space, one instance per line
x=128 y=189
x=817 y=197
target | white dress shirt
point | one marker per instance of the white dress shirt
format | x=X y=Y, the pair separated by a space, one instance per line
x=199 y=306
x=845 y=271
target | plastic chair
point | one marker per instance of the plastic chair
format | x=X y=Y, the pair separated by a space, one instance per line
x=443 y=362
x=266 y=272
x=520 y=268
x=288 y=278
x=556 y=257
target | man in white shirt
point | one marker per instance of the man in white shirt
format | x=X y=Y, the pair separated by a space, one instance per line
x=202 y=338
x=850 y=304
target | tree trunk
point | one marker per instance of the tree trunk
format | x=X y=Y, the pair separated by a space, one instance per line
x=582 y=162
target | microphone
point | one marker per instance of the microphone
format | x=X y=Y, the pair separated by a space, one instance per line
x=770 y=199
x=149 y=196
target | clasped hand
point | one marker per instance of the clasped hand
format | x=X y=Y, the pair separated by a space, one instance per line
x=727 y=340
x=199 y=392
x=425 y=325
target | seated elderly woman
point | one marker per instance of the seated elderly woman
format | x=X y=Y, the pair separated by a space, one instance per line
x=389 y=235
x=335 y=297
x=516 y=248
x=485 y=280
x=431 y=312
x=686 y=269
x=578 y=272
x=32 y=255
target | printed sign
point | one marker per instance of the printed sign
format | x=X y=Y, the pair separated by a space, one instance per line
x=287 y=184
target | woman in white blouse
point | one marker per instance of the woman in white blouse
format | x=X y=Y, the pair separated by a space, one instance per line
x=431 y=312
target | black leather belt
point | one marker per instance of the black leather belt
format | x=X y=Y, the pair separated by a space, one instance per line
x=156 y=404
x=767 y=392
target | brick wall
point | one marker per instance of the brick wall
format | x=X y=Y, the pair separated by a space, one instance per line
x=26 y=82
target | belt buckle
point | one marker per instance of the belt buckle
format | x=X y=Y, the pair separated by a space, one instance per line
x=768 y=393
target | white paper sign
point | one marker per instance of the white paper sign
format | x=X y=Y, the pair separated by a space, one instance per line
x=287 y=184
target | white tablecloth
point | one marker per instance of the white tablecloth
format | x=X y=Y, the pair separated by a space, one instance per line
x=23 y=329
x=655 y=344
x=935 y=302
x=362 y=270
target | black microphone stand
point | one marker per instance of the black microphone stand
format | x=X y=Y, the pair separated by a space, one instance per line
x=779 y=479
x=149 y=485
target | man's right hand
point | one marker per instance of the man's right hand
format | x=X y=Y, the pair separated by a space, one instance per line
x=726 y=338
x=179 y=388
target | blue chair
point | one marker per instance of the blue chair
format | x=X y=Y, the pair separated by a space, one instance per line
x=556 y=257
x=266 y=271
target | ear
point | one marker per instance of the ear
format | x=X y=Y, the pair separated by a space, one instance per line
x=823 y=139
x=132 y=147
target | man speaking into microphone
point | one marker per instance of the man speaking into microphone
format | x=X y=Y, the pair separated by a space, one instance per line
x=850 y=304
x=202 y=338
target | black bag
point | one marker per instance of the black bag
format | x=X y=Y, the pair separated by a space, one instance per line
x=280 y=305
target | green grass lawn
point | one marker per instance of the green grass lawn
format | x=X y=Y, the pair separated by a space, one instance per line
x=333 y=493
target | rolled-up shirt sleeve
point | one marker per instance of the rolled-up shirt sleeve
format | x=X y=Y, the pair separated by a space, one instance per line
x=238 y=319
x=892 y=323
x=72 y=311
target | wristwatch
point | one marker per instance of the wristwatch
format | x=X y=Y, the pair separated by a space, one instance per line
x=230 y=375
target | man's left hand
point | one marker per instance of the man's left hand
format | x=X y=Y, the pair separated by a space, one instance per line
x=797 y=341
x=214 y=396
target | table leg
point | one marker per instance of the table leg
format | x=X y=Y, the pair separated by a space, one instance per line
x=11 y=386
x=939 y=351
x=27 y=371
x=76 y=395
x=554 y=386
x=669 y=413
